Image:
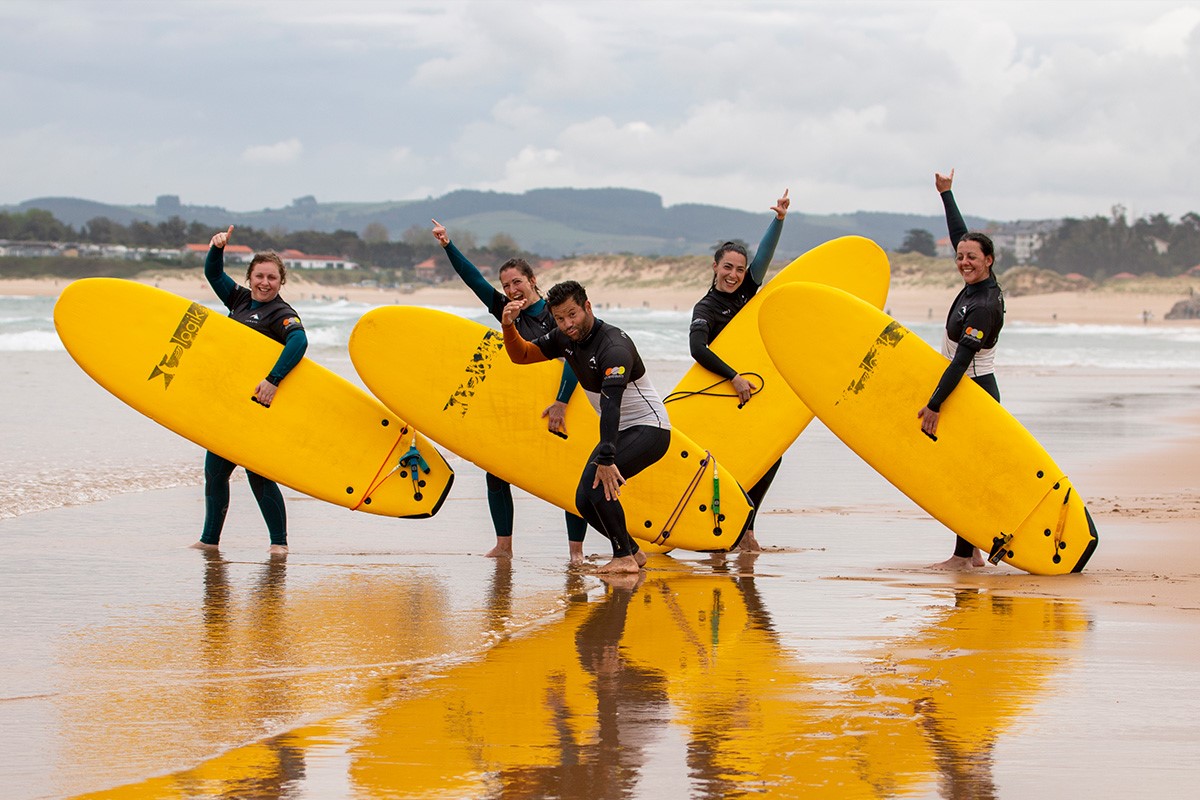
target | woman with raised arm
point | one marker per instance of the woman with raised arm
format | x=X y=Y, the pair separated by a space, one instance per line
x=736 y=279
x=259 y=307
x=519 y=285
x=972 y=330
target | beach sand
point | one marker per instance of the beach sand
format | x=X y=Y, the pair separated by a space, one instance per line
x=388 y=658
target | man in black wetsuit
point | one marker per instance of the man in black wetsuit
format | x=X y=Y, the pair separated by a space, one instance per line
x=635 y=431
x=972 y=331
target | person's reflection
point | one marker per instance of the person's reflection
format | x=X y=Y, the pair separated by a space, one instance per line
x=964 y=766
x=499 y=599
x=631 y=709
x=217 y=611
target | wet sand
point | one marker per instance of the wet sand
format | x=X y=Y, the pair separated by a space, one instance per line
x=388 y=658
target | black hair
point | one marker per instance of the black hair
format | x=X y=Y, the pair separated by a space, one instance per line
x=567 y=290
x=519 y=264
x=730 y=247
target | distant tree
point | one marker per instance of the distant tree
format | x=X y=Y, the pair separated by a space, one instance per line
x=199 y=233
x=1185 y=243
x=142 y=234
x=172 y=232
x=1100 y=246
x=919 y=240
x=504 y=246
x=375 y=233
x=37 y=225
x=102 y=230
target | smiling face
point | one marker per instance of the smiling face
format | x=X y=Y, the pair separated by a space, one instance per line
x=729 y=271
x=972 y=264
x=574 y=320
x=265 y=281
x=516 y=285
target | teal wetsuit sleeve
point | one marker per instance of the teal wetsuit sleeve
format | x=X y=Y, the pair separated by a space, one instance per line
x=214 y=271
x=567 y=385
x=956 y=226
x=293 y=350
x=474 y=280
x=765 y=251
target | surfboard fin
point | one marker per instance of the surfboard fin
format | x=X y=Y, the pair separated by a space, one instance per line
x=999 y=548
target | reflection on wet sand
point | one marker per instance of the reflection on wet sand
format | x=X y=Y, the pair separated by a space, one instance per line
x=592 y=703
x=256 y=659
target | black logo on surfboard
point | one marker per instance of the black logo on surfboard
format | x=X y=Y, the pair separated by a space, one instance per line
x=477 y=371
x=185 y=335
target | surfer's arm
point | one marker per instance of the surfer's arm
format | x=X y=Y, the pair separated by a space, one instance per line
x=520 y=351
x=703 y=355
x=567 y=384
x=766 y=248
x=950 y=378
x=294 y=348
x=956 y=226
x=610 y=422
x=214 y=271
x=474 y=279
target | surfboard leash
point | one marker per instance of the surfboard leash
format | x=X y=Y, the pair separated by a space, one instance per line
x=707 y=390
x=676 y=513
x=412 y=461
x=689 y=492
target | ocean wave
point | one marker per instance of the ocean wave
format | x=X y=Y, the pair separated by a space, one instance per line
x=30 y=342
x=58 y=488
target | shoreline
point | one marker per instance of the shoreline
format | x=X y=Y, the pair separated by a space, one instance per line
x=907 y=303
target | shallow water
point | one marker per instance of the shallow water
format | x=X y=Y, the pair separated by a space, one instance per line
x=386 y=658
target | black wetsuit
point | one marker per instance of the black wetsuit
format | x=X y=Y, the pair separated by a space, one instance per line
x=279 y=321
x=972 y=331
x=710 y=316
x=533 y=321
x=634 y=429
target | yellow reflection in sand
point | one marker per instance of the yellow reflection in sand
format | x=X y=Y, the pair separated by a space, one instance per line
x=680 y=676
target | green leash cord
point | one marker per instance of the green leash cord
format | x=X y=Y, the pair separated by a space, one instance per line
x=716 y=501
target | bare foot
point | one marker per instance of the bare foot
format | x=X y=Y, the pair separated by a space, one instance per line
x=749 y=543
x=503 y=548
x=204 y=546
x=623 y=580
x=626 y=564
x=955 y=563
x=576 y=551
x=977 y=558
x=640 y=558
x=277 y=550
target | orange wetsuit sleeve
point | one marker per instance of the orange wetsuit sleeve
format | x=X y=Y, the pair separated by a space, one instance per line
x=519 y=350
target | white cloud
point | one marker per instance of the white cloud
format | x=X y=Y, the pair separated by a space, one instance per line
x=285 y=152
x=1045 y=109
x=1170 y=35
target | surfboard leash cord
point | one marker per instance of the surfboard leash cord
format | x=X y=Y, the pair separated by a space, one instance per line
x=707 y=390
x=693 y=485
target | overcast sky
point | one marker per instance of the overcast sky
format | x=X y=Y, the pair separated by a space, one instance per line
x=1045 y=109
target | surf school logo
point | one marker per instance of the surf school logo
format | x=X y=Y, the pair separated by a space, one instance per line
x=975 y=333
x=290 y=321
x=184 y=337
x=477 y=371
x=888 y=339
x=614 y=372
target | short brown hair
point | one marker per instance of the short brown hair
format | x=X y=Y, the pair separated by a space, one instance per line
x=271 y=256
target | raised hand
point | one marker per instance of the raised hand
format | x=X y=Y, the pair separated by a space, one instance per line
x=220 y=239
x=943 y=182
x=781 y=205
x=439 y=233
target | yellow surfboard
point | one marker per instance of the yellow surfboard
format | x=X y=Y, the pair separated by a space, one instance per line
x=985 y=477
x=749 y=439
x=451 y=377
x=193 y=370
